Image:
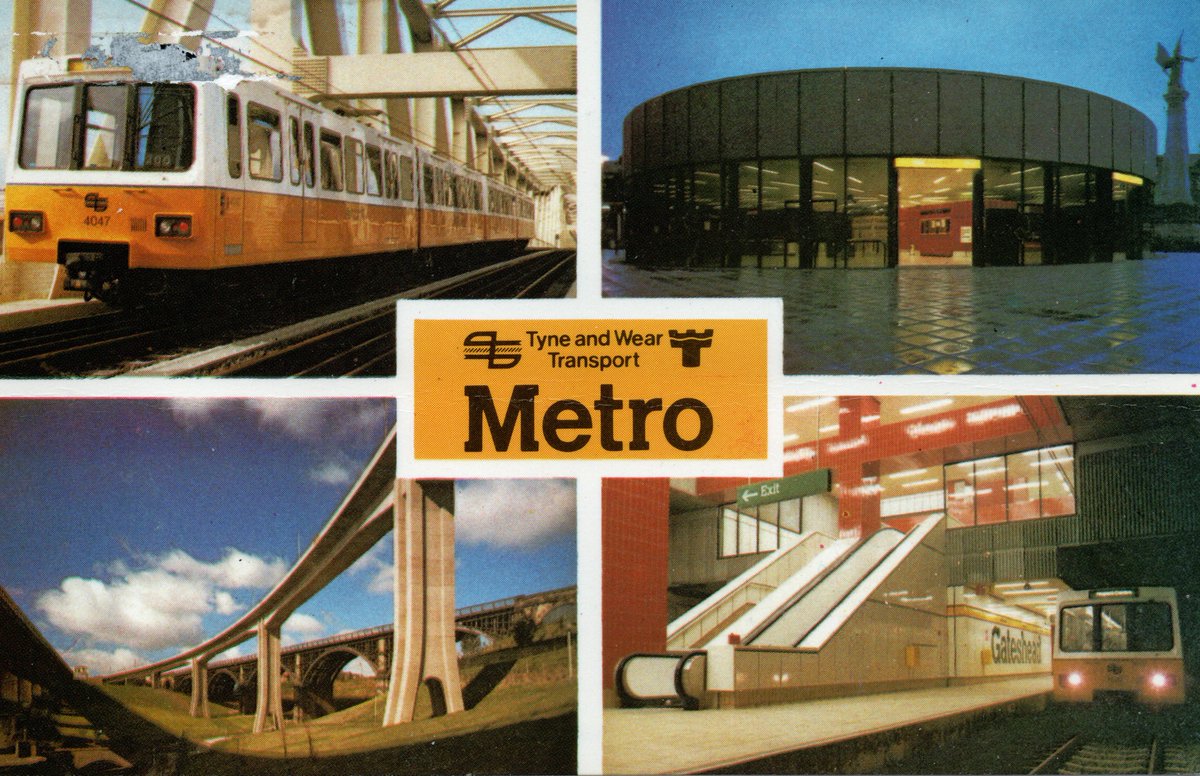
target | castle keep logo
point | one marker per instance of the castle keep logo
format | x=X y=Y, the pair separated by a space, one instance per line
x=590 y=389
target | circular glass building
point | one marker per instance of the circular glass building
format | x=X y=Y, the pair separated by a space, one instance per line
x=884 y=167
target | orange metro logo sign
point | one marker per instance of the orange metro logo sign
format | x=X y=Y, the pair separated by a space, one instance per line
x=590 y=388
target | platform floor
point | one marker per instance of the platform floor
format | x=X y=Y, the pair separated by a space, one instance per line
x=676 y=741
x=1120 y=317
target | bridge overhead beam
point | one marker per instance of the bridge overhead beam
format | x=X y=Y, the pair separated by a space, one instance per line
x=423 y=643
x=165 y=20
x=534 y=70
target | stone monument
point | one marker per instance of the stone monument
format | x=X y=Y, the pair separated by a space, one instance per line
x=1174 y=187
x=1176 y=217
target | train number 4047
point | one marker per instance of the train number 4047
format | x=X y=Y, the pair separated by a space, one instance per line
x=96 y=220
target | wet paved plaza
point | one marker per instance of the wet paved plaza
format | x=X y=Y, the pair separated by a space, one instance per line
x=1135 y=316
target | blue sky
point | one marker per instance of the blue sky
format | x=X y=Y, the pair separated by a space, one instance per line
x=132 y=527
x=1107 y=46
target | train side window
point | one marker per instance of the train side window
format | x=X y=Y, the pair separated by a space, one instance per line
x=391 y=184
x=406 y=179
x=310 y=171
x=374 y=170
x=233 y=135
x=296 y=152
x=331 y=161
x=263 y=143
x=427 y=176
x=353 y=161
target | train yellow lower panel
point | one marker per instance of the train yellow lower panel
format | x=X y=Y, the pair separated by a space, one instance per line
x=1149 y=680
x=228 y=229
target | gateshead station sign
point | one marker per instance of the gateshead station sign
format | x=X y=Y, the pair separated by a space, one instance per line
x=605 y=388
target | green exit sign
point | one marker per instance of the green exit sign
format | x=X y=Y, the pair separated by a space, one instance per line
x=799 y=486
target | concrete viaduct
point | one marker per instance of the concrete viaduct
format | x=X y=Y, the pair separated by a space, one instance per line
x=314 y=665
x=420 y=515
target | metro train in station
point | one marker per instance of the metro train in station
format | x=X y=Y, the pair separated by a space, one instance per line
x=1121 y=643
x=137 y=188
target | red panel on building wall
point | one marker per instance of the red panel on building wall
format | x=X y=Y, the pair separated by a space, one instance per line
x=634 y=559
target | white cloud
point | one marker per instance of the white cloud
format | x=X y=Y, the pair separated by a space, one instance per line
x=100 y=661
x=224 y=603
x=514 y=513
x=332 y=473
x=237 y=569
x=305 y=625
x=377 y=562
x=159 y=606
x=307 y=419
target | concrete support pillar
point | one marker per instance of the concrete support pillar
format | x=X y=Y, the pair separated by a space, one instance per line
x=268 y=712
x=278 y=27
x=462 y=134
x=200 y=688
x=423 y=644
x=159 y=25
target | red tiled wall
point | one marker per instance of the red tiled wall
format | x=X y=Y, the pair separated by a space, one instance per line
x=634 y=551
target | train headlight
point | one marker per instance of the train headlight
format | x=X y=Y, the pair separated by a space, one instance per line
x=27 y=221
x=1074 y=679
x=1159 y=680
x=173 y=226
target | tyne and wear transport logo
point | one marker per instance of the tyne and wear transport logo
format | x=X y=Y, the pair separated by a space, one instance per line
x=487 y=346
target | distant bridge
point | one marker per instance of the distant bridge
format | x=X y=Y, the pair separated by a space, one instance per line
x=313 y=666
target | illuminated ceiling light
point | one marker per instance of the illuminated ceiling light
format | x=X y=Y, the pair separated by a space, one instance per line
x=993 y=470
x=929 y=405
x=988 y=414
x=791 y=438
x=1053 y=462
x=1125 y=178
x=822 y=166
x=856 y=180
x=849 y=444
x=799 y=454
x=917 y=430
x=993 y=459
x=908 y=473
x=939 y=180
x=769 y=172
x=811 y=403
x=936 y=163
x=828 y=429
x=921 y=483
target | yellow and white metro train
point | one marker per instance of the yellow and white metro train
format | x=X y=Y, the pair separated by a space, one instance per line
x=1121 y=642
x=135 y=186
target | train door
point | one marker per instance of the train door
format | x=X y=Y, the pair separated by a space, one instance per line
x=231 y=207
x=302 y=203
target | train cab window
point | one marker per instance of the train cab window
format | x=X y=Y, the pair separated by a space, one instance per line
x=46 y=130
x=263 y=143
x=295 y=150
x=233 y=135
x=354 y=178
x=310 y=172
x=104 y=127
x=331 y=161
x=162 y=137
x=407 y=191
x=374 y=170
x=1140 y=626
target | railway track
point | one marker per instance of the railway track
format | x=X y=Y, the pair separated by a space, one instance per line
x=1088 y=754
x=358 y=339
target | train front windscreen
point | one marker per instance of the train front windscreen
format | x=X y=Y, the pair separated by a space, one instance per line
x=143 y=127
x=1142 y=626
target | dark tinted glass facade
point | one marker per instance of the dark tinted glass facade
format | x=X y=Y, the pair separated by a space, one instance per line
x=883 y=168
